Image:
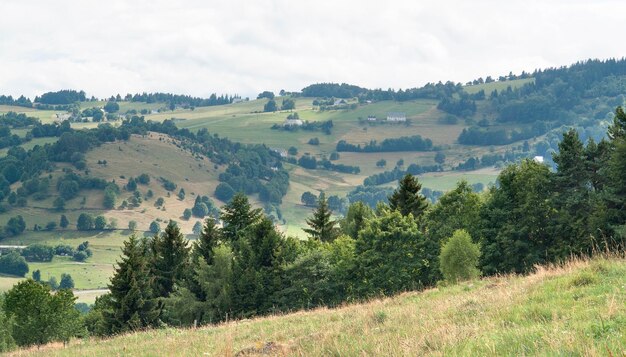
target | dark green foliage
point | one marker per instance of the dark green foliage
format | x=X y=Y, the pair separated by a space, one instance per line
x=390 y=256
x=407 y=199
x=516 y=220
x=37 y=275
x=356 y=219
x=237 y=216
x=308 y=199
x=314 y=141
x=155 y=227
x=186 y=214
x=322 y=227
x=14 y=264
x=40 y=317
x=405 y=143
x=143 y=179
x=170 y=258
x=64 y=222
x=131 y=305
x=111 y=107
x=38 y=253
x=66 y=282
x=62 y=97
x=208 y=240
x=266 y=94
x=15 y=226
x=85 y=222
x=100 y=223
x=270 y=106
x=223 y=192
x=181 y=194
x=288 y=104
x=131 y=185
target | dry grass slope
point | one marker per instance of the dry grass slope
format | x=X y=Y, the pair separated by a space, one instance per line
x=575 y=309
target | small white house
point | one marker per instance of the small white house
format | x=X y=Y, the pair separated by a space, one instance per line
x=371 y=118
x=396 y=117
x=292 y=122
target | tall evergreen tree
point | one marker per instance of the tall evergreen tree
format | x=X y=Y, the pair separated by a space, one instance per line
x=237 y=216
x=323 y=228
x=209 y=238
x=131 y=300
x=170 y=261
x=407 y=198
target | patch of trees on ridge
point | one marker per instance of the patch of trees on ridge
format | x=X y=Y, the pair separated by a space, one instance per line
x=404 y=143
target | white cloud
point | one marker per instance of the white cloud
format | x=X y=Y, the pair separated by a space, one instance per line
x=201 y=47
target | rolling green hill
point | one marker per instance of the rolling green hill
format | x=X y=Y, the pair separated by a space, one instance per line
x=575 y=309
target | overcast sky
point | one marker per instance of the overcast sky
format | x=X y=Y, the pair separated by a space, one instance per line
x=244 y=47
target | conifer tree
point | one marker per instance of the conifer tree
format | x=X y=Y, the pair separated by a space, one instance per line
x=322 y=226
x=131 y=300
x=237 y=216
x=210 y=236
x=170 y=259
x=407 y=198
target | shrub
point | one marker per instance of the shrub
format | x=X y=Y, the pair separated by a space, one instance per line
x=459 y=257
x=14 y=264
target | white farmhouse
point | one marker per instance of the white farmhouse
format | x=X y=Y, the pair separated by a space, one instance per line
x=396 y=117
x=292 y=122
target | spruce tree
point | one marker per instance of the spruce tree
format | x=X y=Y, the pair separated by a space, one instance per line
x=407 y=198
x=170 y=259
x=237 y=216
x=131 y=300
x=322 y=226
x=210 y=236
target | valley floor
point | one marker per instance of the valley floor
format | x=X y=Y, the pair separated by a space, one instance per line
x=575 y=309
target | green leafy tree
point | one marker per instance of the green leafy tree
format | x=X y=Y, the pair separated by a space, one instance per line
x=14 y=264
x=270 y=106
x=66 y=282
x=407 y=199
x=187 y=214
x=308 y=199
x=59 y=204
x=322 y=226
x=37 y=275
x=132 y=305
x=355 y=219
x=390 y=256
x=85 y=222
x=459 y=257
x=197 y=228
x=40 y=317
x=100 y=223
x=132 y=225
x=64 y=222
x=181 y=194
x=155 y=227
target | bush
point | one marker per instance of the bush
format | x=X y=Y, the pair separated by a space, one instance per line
x=223 y=192
x=66 y=282
x=459 y=257
x=14 y=264
x=38 y=253
x=155 y=227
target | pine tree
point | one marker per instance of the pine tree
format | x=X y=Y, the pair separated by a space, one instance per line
x=237 y=216
x=571 y=162
x=64 y=222
x=132 y=303
x=170 y=259
x=322 y=226
x=407 y=198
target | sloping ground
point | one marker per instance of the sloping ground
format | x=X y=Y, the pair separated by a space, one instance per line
x=576 y=309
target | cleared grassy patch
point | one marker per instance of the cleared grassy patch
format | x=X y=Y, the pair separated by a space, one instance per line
x=499 y=86
x=539 y=314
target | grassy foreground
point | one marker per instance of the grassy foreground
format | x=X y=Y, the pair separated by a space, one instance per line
x=575 y=309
